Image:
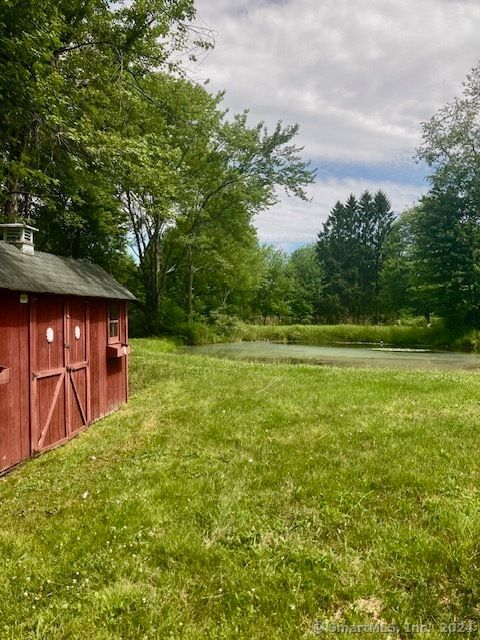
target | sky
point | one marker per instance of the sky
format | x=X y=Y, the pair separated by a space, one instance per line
x=358 y=76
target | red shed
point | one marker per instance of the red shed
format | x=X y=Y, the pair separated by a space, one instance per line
x=63 y=346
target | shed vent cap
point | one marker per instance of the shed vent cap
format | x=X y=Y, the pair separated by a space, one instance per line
x=20 y=235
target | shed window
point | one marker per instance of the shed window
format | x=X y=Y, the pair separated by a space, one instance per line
x=113 y=323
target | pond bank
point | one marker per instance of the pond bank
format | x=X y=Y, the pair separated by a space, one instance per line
x=433 y=337
x=395 y=335
x=356 y=356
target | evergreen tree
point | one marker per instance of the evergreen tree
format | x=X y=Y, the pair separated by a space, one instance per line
x=350 y=248
x=447 y=251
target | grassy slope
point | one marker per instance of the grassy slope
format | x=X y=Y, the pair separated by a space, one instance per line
x=239 y=500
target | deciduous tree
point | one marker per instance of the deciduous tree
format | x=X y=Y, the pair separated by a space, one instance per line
x=448 y=247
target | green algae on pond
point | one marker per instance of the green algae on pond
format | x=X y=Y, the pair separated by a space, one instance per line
x=340 y=355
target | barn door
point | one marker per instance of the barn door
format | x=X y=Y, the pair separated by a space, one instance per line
x=60 y=389
x=77 y=366
x=48 y=388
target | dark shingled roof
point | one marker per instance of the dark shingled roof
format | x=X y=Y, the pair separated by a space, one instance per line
x=47 y=273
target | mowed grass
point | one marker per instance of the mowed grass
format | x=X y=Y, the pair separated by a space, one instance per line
x=242 y=500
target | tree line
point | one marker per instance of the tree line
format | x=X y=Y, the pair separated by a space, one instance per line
x=369 y=265
x=430 y=256
x=119 y=158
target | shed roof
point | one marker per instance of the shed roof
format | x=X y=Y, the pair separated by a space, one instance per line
x=47 y=273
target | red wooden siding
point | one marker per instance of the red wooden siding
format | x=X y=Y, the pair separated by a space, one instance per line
x=14 y=394
x=110 y=373
x=59 y=376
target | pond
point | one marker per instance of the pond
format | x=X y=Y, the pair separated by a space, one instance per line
x=340 y=355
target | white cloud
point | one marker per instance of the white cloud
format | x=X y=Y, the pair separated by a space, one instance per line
x=293 y=222
x=359 y=76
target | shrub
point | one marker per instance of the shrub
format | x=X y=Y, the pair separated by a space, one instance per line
x=195 y=333
x=469 y=342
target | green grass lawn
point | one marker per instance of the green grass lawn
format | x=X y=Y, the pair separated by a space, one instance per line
x=240 y=500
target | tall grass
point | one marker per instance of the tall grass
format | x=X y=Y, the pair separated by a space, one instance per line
x=435 y=336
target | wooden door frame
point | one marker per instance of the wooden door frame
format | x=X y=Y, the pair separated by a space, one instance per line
x=70 y=386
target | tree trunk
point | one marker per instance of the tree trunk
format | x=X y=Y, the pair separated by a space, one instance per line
x=11 y=203
x=154 y=284
x=191 y=272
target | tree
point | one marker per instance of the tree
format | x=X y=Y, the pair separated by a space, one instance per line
x=218 y=174
x=276 y=286
x=375 y=220
x=166 y=136
x=447 y=252
x=350 y=247
x=451 y=143
x=448 y=245
x=307 y=290
x=398 y=276
x=226 y=267
x=100 y=144
x=68 y=70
